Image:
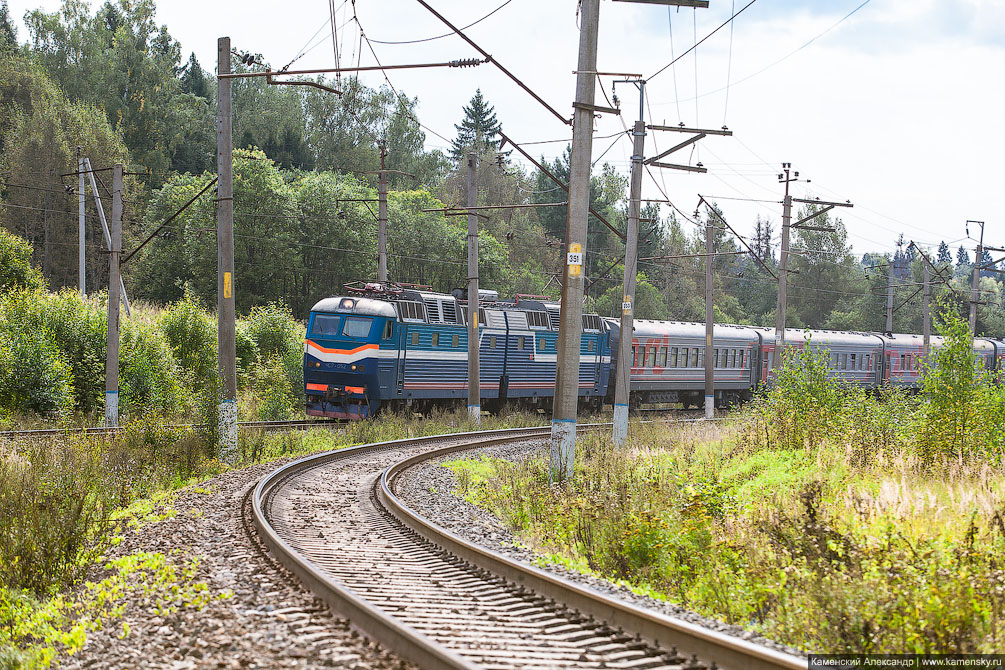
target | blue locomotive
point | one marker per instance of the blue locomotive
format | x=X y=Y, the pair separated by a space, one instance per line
x=394 y=346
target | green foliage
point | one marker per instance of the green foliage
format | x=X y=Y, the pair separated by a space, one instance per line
x=478 y=131
x=824 y=550
x=16 y=270
x=148 y=375
x=962 y=414
x=192 y=335
x=33 y=376
x=33 y=632
x=273 y=391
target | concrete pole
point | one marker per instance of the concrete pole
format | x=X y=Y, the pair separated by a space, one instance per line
x=104 y=228
x=226 y=327
x=112 y=351
x=382 y=219
x=976 y=284
x=891 y=272
x=622 y=387
x=783 y=278
x=563 y=421
x=927 y=313
x=709 y=325
x=81 y=228
x=474 y=370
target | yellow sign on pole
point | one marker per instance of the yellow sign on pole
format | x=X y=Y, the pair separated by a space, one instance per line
x=574 y=259
x=228 y=290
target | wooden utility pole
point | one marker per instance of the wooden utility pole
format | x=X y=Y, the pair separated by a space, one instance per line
x=382 y=218
x=976 y=282
x=891 y=270
x=474 y=370
x=226 y=326
x=622 y=389
x=709 y=323
x=112 y=350
x=81 y=228
x=566 y=400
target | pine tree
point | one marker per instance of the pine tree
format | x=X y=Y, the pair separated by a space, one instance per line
x=8 y=34
x=987 y=263
x=962 y=257
x=478 y=130
x=193 y=79
x=944 y=255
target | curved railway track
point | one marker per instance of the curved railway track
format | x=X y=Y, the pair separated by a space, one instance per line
x=334 y=520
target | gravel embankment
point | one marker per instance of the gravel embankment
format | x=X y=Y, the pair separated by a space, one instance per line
x=269 y=622
x=428 y=489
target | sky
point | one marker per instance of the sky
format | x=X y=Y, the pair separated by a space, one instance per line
x=896 y=107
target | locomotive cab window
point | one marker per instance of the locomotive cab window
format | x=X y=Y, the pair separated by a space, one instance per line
x=357 y=326
x=388 y=329
x=326 y=324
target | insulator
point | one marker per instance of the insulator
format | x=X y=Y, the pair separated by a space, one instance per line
x=465 y=62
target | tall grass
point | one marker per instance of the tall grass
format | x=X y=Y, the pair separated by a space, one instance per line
x=822 y=516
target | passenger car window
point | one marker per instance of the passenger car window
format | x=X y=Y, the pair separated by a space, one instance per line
x=357 y=326
x=325 y=324
x=663 y=357
x=673 y=357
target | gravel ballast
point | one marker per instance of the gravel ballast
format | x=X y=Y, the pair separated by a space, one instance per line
x=429 y=490
x=269 y=621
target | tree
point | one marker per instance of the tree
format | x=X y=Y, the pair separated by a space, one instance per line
x=962 y=258
x=40 y=131
x=121 y=61
x=824 y=271
x=8 y=34
x=478 y=129
x=193 y=79
x=944 y=255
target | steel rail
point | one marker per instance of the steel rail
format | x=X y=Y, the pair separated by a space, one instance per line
x=396 y=636
x=726 y=651
x=105 y=430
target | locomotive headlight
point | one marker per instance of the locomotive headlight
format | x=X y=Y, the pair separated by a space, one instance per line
x=353 y=368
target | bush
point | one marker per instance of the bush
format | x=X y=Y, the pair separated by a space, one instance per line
x=16 y=270
x=277 y=334
x=148 y=375
x=33 y=374
x=75 y=326
x=191 y=333
x=272 y=390
x=962 y=415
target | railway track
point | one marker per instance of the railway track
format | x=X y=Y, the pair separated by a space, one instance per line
x=104 y=430
x=334 y=520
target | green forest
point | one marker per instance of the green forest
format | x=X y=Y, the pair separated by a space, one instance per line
x=115 y=84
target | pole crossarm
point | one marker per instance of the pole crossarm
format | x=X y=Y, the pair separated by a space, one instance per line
x=685 y=143
x=812 y=216
x=822 y=202
x=550 y=175
x=684 y=129
x=682 y=256
x=462 y=210
x=701 y=4
x=938 y=272
x=674 y=166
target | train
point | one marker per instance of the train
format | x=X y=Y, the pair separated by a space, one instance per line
x=389 y=347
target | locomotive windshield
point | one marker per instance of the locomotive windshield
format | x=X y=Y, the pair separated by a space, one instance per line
x=357 y=326
x=325 y=324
